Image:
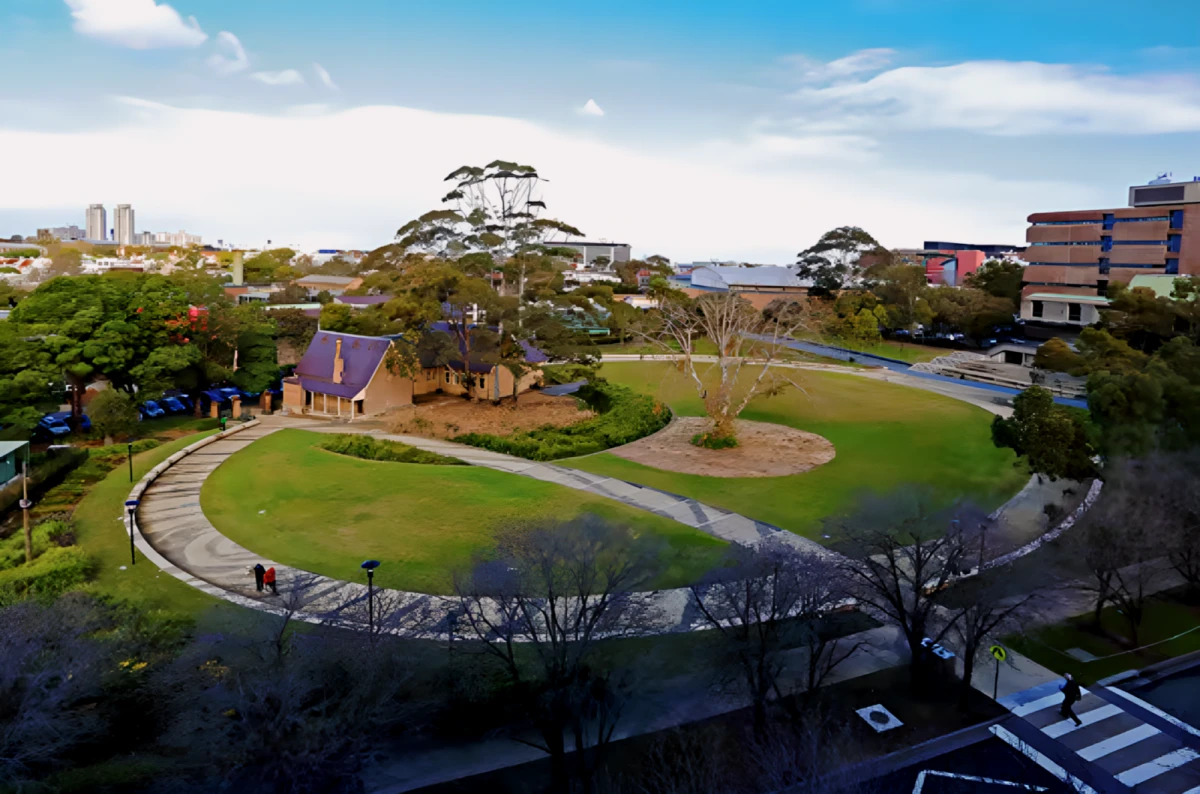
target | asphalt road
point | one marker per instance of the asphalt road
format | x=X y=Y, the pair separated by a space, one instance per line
x=986 y=767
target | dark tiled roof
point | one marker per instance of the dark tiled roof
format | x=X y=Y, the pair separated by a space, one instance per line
x=361 y=355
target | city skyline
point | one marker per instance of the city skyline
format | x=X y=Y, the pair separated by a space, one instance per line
x=761 y=126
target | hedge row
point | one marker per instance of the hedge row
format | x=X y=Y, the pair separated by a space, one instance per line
x=368 y=448
x=623 y=416
x=57 y=570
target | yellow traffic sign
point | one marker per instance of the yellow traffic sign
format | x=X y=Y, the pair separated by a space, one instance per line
x=998 y=653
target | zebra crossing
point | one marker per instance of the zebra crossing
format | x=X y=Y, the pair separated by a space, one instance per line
x=1127 y=746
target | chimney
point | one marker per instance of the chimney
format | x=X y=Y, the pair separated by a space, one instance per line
x=339 y=365
x=239 y=273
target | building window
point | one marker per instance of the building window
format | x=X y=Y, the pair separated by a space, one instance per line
x=1107 y=244
x=1074 y=312
x=1108 y=221
x=360 y=407
x=1176 y=219
x=1174 y=242
x=1037 y=308
x=1101 y=288
x=447 y=376
x=1173 y=267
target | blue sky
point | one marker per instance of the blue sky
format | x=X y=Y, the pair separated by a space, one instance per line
x=732 y=130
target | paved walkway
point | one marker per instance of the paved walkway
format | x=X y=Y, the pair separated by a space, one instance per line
x=180 y=539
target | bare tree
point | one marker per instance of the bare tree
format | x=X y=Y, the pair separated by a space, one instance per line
x=989 y=610
x=1125 y=537
x=540 y=608
x=906 y=552
x=51 y=666
x=764 y=602
x=306 y=720
x=749 y=348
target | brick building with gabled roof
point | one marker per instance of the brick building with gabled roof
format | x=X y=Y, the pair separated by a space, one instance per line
x=346 y=375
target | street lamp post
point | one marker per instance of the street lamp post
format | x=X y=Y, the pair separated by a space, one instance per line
x=130 y=507
x=369 y=566
x=130 y=456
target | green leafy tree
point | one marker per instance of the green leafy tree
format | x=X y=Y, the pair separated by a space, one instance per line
x=833 y=262
x=113 y=414
x=1056 y=355
x=272 y=265
x=1052 y=438
x=999 y=278
x=969 y=311
x=901 y=289
x=1139 y=316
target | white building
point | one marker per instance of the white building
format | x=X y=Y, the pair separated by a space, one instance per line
x=123 y=226
x=589 y=252
x=180 y=238
x=578 y=278
x=97 y=222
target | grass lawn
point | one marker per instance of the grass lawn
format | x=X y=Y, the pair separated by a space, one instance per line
x=287 y=499
x=706 y=348
x=1165 y=617
x=101 y=534
x=886 y=437
x=888 y=348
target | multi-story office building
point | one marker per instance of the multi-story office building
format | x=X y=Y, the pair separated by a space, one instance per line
x=97 y=222
x=590 y=252
x=123 y=227
x=180 y=238
x=1074 y=256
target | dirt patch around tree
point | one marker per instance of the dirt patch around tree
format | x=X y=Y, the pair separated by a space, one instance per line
x=447 y=416
x=763 y=450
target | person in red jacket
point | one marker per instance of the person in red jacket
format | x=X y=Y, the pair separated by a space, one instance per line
x=269 y=580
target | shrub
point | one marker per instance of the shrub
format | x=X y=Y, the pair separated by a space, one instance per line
x=367 y=448
x=623 y=416
x=57 y=570
x=555 y=374
x=117 y=453
x=710 y=441
x=45 y=534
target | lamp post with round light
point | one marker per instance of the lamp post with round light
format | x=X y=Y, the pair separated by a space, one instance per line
x=369 y=566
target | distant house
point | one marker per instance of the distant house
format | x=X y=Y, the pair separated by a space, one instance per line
x=334 y=285
x=346 y=375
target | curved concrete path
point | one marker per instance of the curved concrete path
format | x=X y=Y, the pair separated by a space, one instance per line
x=174 y=533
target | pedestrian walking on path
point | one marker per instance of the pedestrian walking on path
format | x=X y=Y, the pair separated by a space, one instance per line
x=1070 y=690
x=259 y=573
x=269 y=579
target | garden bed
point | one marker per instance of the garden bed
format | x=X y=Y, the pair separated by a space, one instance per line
x=764 y=450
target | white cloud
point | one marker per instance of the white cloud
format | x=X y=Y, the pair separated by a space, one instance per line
x=324 y=76
x=753 y=200
x=285 y=77
x=856 y=63
x=138 y=24
x=1006 y=98
x=591 y=109
x=229 y=64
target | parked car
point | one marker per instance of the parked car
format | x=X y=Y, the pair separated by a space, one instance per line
x=173 y=405
x=151 y=410
x=55 y=425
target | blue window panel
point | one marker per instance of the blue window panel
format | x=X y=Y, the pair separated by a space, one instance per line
x=1139 y=267
x=1108 y=220
x=1176 y=219
x=1104 y=266
x=1141 y=220
x=1173 y=267
x=1064 y=223
x=1139 y=242
x=1107 y=244
x=1174 y=242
